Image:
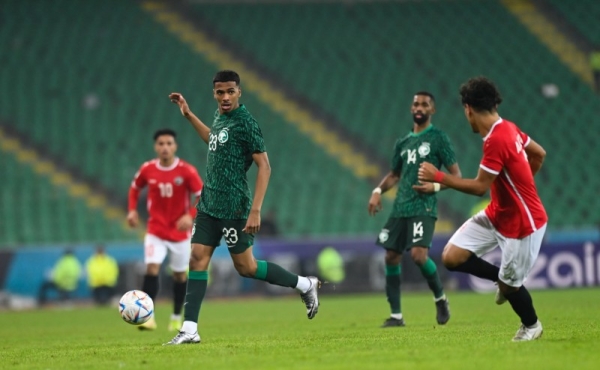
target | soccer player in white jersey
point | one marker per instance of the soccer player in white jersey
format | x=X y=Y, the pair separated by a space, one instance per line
x=515 y=220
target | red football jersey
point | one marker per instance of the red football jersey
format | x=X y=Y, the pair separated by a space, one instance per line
x=169 y=192
x=515 y=210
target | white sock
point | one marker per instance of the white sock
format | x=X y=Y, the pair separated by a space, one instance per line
x=175 y=317
x=303 y=284
x=189 y=327
x=442 y=298
x=397 y=316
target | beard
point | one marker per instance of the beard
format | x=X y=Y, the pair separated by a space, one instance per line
x=420 y=120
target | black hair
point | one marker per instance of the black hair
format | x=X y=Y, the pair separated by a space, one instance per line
x=226 y=76
x=481 y=94
x=164 y=131
x=425 y=93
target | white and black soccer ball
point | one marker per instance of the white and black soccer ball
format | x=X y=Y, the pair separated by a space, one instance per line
x=136 y=307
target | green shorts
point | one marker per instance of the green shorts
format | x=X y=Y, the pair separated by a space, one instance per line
x=402 y=233
x=209 y=230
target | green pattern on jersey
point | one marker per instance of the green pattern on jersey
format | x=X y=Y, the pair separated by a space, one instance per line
x=431 y=145
x=233 y=138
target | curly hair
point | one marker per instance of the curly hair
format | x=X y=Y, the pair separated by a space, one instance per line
x=481 y=94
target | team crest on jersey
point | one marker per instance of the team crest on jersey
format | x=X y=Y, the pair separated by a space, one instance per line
x=178 y=180
x=384 y=235
x=424 y=149
x=223 y=136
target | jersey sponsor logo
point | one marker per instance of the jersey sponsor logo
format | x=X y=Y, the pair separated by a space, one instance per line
x=223 y=136
x=178 y=180
x=424 y=149
x=152 y=181
x=416 y=240
x=384 y=235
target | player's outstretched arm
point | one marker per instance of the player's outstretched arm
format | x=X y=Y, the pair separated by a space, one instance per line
x=477 y=186
x=386 y=184
x=199 y=126
x=535 y=156
x=260 y=189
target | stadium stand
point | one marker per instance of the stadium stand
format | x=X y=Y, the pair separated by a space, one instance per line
x=362 y=62
x=88 y=83
x=35 y=211
x=92 y=95
x=583 y=15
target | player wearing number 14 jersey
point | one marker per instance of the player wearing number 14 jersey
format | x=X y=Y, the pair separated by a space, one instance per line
x=412 y=220
x=227 y=209
x=171 y=183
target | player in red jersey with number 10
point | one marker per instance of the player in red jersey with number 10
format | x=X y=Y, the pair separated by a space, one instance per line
x=515 y=219
x=171 y=182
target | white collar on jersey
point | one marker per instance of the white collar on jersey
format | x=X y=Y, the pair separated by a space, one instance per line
x=499 y=121
x=163 y=168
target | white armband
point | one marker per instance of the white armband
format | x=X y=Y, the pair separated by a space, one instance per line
x=377 y=190
x=436 y=186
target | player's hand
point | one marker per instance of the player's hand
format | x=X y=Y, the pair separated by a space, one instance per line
x=424 y=188
x=133 y=219
x=427 y=172
x=184 y=223
x=375 y=204
x=253 y=222
x=178 y=99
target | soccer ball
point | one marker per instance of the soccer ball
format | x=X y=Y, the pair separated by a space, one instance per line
x=136 y=307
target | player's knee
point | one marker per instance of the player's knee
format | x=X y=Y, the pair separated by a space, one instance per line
x=419 y=255
x=246 y=270
x=152 y=269
x=506 y=289
x=453 y=257
x=199 y=262
x=180 y=277
x=392 y=258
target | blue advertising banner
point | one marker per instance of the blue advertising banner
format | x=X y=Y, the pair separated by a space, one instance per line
x=350 y=265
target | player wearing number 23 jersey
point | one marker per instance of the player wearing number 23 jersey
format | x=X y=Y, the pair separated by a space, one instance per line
x=233 y=138
x=227 y=209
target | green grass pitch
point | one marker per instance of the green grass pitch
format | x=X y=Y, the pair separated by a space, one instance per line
x=275 y=334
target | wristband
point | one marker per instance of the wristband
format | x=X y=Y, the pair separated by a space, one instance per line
x=439 y=176
x=377 y=190
x=436 y=187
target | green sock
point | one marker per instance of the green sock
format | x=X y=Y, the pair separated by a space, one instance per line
x=195 y=291
x=429 y=271
x=275 y=274
x=392 y=287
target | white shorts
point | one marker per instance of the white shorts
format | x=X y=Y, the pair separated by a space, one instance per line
x=155 y=251
x=479 y=236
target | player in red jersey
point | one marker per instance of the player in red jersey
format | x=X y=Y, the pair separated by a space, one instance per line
x=171 y=183
x=515 y=220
